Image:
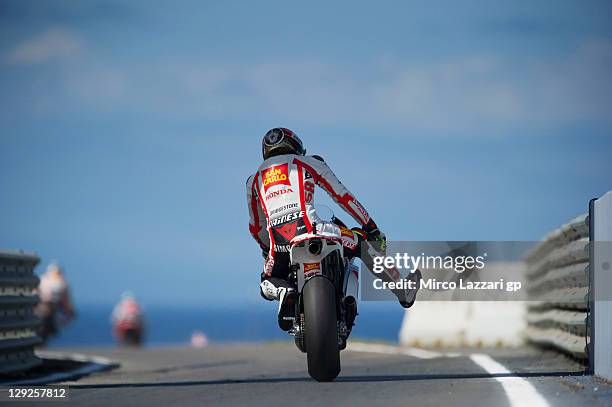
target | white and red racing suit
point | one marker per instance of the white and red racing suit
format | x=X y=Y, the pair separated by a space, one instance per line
x=280 y=198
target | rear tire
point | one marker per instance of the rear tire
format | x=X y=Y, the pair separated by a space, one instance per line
x=323 y=354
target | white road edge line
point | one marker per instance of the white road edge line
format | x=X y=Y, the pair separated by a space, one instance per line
x=518 y=390
x=79 y=357
x=393 y=350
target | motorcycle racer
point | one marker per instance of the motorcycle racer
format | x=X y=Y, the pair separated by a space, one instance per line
x=280 y=198
x=55 y=307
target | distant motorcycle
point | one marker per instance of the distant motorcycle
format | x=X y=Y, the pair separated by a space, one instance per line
x=48 y=326
x=128 y=321
x=129 y=333
x=54 y=308
x=325 y=311
x=51 y=321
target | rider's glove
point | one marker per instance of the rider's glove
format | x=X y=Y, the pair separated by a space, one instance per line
x=377 y=239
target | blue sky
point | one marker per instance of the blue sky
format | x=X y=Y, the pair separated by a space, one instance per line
x=128 y=130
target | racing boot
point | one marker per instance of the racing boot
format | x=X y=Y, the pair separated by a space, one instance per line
x=285 y=295
x=286 y=308
x=407 y=297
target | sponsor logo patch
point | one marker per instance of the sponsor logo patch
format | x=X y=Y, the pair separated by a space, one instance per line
x=288 y=231
x=310 y=269
x=309 y=189
x=361 y=210
x=276 y=175
x=311 y=266
x=283 y=208
x=346 y=232
x=286 y=218
x=281 y=248
x=274 y=194
x=349 y=244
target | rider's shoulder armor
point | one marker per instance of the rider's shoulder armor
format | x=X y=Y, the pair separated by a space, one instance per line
x=318 y=157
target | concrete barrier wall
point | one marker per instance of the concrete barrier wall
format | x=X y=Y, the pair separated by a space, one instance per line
x=432 y=324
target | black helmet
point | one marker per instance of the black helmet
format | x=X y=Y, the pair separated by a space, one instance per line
x=281 y=141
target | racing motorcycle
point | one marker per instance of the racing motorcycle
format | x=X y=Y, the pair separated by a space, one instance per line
x=129 y=333
x=326 y=307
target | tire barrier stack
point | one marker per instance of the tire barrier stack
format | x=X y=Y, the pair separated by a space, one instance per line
x=558 y=289
x=17 y=320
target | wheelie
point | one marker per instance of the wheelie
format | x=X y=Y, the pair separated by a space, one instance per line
x=309 y=262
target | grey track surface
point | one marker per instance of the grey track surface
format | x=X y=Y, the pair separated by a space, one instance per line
x=275 y=374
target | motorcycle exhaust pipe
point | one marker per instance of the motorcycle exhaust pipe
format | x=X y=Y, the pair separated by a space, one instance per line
x=315 y=246
x=350 y=305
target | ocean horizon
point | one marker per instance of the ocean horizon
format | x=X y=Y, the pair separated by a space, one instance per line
x=174 y=325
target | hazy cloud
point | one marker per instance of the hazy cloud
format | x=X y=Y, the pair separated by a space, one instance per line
x=51 y=44
x=464 y=94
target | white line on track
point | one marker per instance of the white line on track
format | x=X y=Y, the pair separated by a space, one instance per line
x=393 y=350
x=78 y=357
x=518 y=390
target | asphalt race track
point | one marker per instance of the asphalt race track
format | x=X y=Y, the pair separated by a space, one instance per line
x=275 y=374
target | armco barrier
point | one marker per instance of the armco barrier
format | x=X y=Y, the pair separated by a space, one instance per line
x=569 y=284
x=558 y=277
x=17 y=320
